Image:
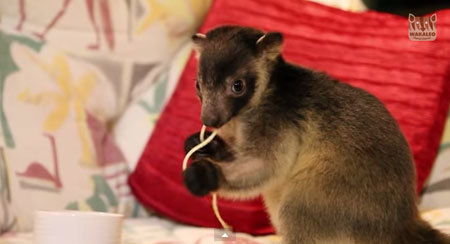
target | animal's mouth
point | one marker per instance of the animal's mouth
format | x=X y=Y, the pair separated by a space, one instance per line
x=215 y=123
x=214 y=118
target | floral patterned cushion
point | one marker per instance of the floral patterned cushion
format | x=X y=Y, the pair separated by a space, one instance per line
x=68 y=70
x=436 y=192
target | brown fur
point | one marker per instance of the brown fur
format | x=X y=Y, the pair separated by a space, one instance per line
x=329 y=160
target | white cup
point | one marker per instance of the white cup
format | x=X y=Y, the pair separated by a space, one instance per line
x=73 y=227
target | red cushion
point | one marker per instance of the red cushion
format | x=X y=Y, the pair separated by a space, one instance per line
x=370 y=50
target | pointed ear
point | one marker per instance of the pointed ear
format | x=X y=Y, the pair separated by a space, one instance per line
x=198 y=40
x=411 y=18
x=270 y=44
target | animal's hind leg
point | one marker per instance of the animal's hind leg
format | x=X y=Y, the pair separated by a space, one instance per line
x=320 y=223
x=299 y=225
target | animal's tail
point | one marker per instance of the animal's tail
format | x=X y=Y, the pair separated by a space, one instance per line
x=422 y=233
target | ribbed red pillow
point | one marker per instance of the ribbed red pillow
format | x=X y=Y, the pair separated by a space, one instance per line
x=370 y=50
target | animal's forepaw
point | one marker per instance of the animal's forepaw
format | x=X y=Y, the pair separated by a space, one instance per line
x=201 y=177
x=215 y=150
x=192 y=141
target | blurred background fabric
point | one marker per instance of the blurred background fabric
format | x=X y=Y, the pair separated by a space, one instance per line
x=69 y=70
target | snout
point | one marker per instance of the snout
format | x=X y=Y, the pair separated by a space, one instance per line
x=215 y=116
x=212 y=120
x=215 y=111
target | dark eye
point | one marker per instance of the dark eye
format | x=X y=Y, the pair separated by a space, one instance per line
x=237 y=87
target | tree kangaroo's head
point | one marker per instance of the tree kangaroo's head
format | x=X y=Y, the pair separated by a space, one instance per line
x=234 y=67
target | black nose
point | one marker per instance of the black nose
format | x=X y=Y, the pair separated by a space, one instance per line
x=211 y=121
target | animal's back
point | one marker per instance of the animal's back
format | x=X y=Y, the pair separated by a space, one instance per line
x=360 y=164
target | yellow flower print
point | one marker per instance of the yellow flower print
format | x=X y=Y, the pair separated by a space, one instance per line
x=165 y=11
x=70 y=97
x=432 y=215
x=446 y=135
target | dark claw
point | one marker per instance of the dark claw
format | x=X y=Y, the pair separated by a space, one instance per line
x=201 y=177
